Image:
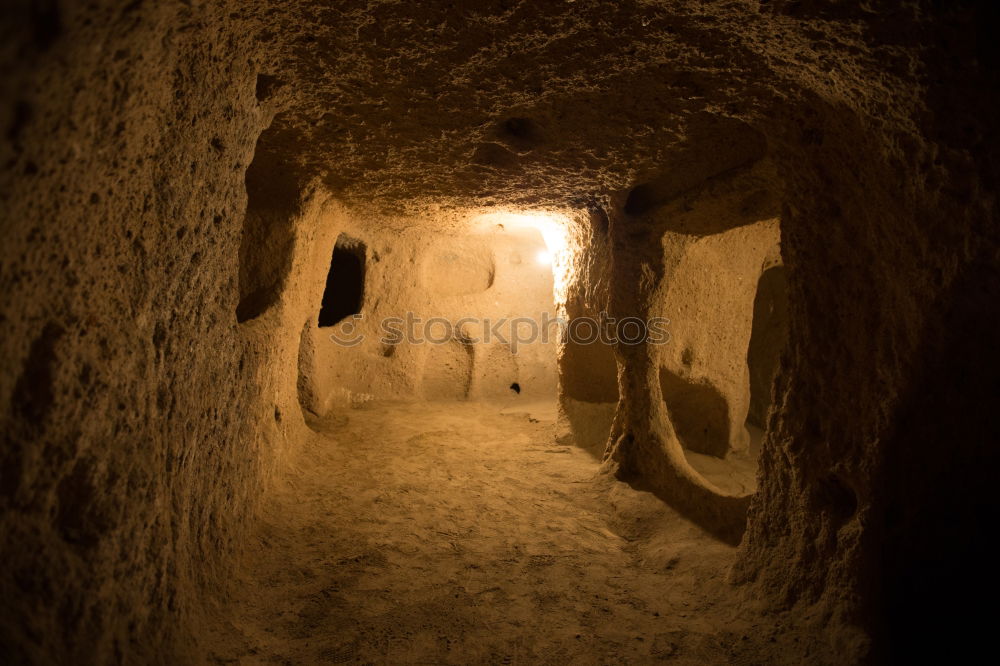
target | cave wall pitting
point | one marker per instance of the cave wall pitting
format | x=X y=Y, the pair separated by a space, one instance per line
x=173 y=177
x=130 y=461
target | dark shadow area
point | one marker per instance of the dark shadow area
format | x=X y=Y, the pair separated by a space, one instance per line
x=520 y=134
x=767 y=339
x=345 y=283
x=715 y=147
x=941 y=505
x=268 y=228
x=722 y=518
x=267 y=85
x=698 y=412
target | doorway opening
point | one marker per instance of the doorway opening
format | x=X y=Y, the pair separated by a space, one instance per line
x=767 y=338
x=345 y=282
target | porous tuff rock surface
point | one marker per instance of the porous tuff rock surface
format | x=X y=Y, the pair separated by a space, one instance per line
x=446 y=296
x=134 y=423
x=131 y=454
x=405 y=105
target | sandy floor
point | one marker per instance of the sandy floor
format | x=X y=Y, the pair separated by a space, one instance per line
x=737 y=473
x=462 y=533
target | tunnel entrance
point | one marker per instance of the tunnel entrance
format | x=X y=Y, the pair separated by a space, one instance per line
x=454 y=315
x=267 y=240
x=770 y=326
x=345 y=282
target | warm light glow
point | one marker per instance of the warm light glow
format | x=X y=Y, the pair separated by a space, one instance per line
x=555 y=230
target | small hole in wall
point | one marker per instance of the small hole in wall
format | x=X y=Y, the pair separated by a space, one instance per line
x=516 y=388
x=687 y=357
x=345 y=283
x=641 y=199
x=267 y=85
x=838 y=498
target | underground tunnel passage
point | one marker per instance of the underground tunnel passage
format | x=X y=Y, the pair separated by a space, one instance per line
x=375 y=332
x=345 y=283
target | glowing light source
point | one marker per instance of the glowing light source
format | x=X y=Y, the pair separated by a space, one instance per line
x=555 y=230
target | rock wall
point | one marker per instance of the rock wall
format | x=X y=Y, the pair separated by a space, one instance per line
x=767 y=337
x=155 y=286
x=708 y=297
x=131 y=450
x=462 y=282
x=588 y=370
x=888 y=216
x=824 y=510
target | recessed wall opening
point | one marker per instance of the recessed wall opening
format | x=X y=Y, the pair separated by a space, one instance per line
x=589 y=390
x=725 y=303
x=345 y=282
x=588 y=370
x=770 y=328
x=704 y=414
x=267 y=240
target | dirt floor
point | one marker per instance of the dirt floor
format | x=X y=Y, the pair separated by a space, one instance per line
x=463 y=533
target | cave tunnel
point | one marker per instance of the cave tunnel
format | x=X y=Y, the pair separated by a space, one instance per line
x=345 y=282
x=373 y=332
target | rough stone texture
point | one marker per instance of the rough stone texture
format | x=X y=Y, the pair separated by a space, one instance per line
x=708 y=294
x=453 y=284
x=889 y=211
x=127 y=473
x=141 y=419
x=588 y=373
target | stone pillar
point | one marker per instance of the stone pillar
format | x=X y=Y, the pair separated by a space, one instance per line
x=643 y=447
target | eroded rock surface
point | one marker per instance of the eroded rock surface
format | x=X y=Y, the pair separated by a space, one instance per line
x=173 y=174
